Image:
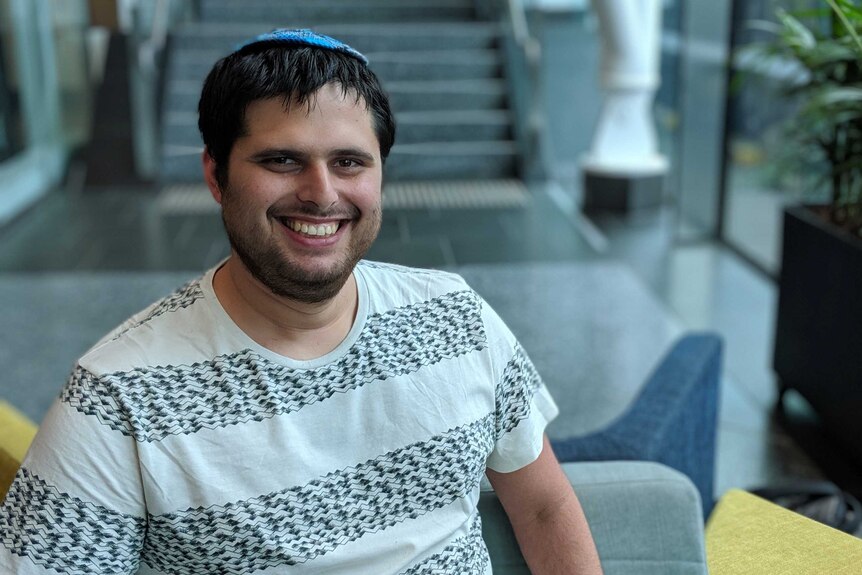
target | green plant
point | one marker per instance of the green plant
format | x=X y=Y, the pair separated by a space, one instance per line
x=827 y=128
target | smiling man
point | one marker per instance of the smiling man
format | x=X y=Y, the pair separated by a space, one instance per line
x=297 y=409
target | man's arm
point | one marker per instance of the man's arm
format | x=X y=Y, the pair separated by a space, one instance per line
x=547 y=518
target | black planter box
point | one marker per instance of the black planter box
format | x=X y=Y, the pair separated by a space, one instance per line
x=818 y=338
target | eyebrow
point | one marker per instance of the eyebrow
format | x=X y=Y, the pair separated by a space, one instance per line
x=300 y=155
x=355 y=152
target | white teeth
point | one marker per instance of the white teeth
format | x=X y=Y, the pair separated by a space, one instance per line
x=313 y=230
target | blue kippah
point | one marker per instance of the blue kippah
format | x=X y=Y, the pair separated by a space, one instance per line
x=303 y=37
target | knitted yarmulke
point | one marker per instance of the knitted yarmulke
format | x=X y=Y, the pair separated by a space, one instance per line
x=303 y=37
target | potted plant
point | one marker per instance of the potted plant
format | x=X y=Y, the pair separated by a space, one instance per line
x=818 y=339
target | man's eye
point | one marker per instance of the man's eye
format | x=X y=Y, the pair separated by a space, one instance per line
x=347 y=163
x=280 y=160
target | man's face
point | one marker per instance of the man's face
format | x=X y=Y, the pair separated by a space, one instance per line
x=302 y=201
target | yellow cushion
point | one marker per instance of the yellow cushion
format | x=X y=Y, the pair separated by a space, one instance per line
x=16 y=434
x=746 y=534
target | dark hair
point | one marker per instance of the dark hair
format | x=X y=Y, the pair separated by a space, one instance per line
x=271 y=70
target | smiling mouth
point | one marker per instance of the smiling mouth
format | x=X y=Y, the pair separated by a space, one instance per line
x=311 y=230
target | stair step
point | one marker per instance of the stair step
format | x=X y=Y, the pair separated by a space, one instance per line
x=180 y=129
x=453 y=126
x=406 y=96
x=464 y=94
x=459 y=148
x=452 y=194
x=193 y=65
x=472 y=117
x=457 y=65
x=452 y=161
x=186 y=168
x=279 y=12
x=364 y=37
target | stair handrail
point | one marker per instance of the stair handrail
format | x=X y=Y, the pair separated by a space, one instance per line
x=155 y=41
x=149 y=39
x=531 y=50
x=518 y=18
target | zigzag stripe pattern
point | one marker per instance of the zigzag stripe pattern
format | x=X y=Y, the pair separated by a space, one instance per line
x=180 y=299
x=466 y=556
x=153 y=403
x=61 y=532
x=297 y=525
x=515 y=391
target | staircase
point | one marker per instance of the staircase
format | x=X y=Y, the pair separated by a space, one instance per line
x=440 y=64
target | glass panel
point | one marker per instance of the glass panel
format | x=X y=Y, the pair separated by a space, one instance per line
x=667 y=102
x=11 y=124
x=702 y=100
x=34 y=147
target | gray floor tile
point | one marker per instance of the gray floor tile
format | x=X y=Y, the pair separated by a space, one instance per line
x=738 y=412
x=394 y=226
x=455 y=223
x=431 y=252
x=749 y=459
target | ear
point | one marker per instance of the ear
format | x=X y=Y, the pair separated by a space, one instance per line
x=209 y=165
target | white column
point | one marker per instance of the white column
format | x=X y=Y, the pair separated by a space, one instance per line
x=625 y=142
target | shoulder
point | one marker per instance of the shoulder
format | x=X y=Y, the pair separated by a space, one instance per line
x=392 y=285
x=151 y=333
x=404 y=285
x=443 y=296
x=406 y=273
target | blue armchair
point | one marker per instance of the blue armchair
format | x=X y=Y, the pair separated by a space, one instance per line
x=673 y=419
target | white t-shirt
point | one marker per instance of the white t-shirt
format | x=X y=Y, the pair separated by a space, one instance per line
x=179 y=445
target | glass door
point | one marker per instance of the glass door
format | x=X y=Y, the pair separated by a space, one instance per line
x=702 y=88
x=11 y=128
x=758 y=181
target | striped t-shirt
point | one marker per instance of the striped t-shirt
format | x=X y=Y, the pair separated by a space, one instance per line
x=181 y=446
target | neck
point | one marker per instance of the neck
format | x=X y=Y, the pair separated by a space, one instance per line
x=288 y=327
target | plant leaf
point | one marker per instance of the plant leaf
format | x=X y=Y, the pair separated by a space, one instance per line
x=795 y=33
x=847 y=24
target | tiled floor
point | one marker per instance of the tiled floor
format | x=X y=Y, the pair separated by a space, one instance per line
x=704 y=285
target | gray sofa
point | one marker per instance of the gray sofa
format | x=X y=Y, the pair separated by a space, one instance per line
x=645 y=518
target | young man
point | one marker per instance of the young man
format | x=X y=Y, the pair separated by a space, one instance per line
x=297 y=409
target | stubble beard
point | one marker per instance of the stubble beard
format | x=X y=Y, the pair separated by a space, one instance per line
x=267 y=261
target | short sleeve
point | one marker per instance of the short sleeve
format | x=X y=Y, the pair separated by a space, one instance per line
x=75 y=505
x=523 y=409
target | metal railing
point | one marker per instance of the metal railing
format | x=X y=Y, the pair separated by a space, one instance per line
x=533 y=124
x=523 y=55
x=152 y=21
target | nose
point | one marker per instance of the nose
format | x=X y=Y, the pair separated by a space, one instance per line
x=316 y=186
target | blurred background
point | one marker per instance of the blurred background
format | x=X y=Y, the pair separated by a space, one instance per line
x=102 y=208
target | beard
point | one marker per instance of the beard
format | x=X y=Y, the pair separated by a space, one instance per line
x=270 y=263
